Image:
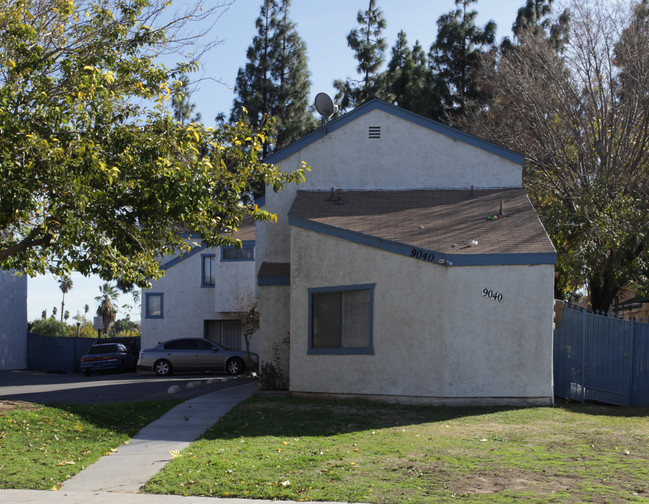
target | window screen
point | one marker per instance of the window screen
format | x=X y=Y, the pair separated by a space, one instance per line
x=209 y=278
x=341 y=319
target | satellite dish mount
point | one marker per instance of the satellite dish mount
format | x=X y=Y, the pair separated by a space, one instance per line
x=325 y=106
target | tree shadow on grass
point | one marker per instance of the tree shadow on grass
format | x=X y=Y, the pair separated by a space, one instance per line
x=314 y=417
x=126 y=418
x=294 y=417
x=597 y=408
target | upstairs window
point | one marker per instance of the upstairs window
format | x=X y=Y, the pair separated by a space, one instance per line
x=245 y=253
x=154 y=305
x=208 y=271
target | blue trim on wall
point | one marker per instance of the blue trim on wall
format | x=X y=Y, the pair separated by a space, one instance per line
x=244 y=244
x=438 y=257
x=181 y=258
x=203 y=284
x=148 y=295
x=341 y=351
x=377 y=104
x=279 y=280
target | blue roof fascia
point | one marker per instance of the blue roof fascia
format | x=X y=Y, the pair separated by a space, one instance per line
x=182 y=257
x=269 y=281
x=427 y=255
x=425 y=122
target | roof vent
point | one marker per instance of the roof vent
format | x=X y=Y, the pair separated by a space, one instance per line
x=375 y=132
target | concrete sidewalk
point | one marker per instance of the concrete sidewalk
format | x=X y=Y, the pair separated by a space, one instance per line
x=84 y=497
x=116 y=478
x=135 y=463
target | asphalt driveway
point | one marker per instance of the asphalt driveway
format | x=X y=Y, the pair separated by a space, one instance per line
x=48 y=388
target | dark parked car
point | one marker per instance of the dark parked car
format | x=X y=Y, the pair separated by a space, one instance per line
x=194 y=354
x=107 y=356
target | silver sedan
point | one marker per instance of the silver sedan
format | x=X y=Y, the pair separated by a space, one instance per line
x=194 y=354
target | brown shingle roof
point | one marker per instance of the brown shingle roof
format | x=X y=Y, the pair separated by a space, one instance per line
x=441 y=220
x=247 y=230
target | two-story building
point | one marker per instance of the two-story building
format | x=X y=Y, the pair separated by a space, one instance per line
x=201 y=294
x=409 y=266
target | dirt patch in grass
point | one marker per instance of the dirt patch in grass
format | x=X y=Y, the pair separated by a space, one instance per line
x=6 y=406
x=514 y=480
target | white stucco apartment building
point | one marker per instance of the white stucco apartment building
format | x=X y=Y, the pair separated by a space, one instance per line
x=200 y=294
x=409 y=266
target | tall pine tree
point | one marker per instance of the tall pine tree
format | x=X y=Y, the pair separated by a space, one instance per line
x=291 y=74
x=369 y=48
x=535 y=18
x=275 y=81
x=454 y=57
x=407 y=78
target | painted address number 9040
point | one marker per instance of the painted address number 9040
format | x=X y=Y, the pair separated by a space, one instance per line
x=496 y=296
x=422 y=254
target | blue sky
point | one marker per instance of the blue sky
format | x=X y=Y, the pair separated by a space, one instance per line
x=324 y=27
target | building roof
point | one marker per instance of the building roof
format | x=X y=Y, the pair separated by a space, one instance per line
x=245 y=233
x=247 y=230
x=434 y=225
x=377 y=104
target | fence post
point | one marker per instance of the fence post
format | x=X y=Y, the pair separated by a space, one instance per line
x=631 y=366
x=583 y=356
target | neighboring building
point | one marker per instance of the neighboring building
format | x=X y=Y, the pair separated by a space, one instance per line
x=629 y=305
x=200 y=294
x=13 y=321
x=409 y=266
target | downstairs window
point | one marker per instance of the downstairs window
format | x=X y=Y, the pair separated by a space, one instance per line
x=340 y=320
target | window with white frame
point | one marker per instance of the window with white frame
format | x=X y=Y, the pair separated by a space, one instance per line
x=154 y=305
x=340 y=319
x=208 y=276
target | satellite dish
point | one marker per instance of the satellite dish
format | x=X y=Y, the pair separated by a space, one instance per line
x=324 y=105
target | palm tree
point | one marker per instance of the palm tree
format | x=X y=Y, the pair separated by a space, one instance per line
x=65 y=284
x=107 y=310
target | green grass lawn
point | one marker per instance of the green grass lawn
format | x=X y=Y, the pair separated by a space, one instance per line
x=304 y=450
x=42 y=446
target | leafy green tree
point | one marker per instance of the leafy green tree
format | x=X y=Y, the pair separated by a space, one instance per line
x=369 y=50
x=455 y=58
x=124 y=328
x=85 y=330
x=106 y=309
x=407 y=79
x=96 y=174
x=581 y=117
x=82 y=327
x=275 y=81
x=181 y=103
x=48 y=327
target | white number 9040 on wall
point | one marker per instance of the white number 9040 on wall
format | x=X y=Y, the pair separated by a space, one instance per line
x=496 y=296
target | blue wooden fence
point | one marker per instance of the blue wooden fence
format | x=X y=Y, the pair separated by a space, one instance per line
x=601 y=358
x=62 y=354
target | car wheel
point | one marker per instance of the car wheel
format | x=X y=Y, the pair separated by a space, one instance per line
x=86 y=372
x=162 y=367
x=235 y=366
